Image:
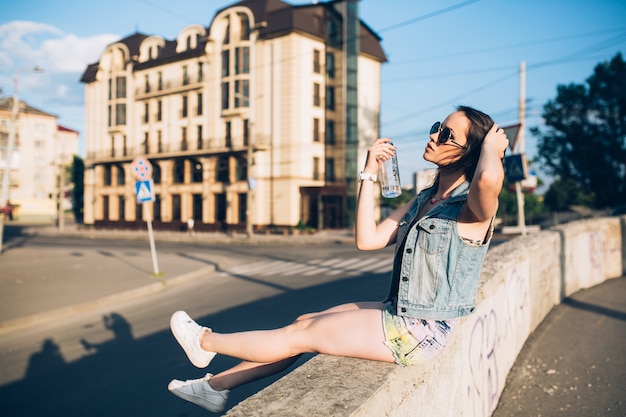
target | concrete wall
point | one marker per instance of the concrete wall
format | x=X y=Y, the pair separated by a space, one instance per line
x=521 y=281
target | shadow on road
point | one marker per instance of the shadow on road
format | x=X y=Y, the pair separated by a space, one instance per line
x=128 y=376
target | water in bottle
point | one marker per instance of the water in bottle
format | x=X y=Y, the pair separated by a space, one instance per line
x=390 y=178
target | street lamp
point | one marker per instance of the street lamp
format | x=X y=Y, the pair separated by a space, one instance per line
x=4 y=196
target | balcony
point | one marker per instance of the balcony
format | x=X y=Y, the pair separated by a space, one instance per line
x=168 y=87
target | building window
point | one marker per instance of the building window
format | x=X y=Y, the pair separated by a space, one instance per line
x=160 y=81
x=227 y=33
x=121 y=208
x=225 y=96
x=183 y=140
x=200 y=72
x=241 y=171
x=124 y=146
x=242 y=90
x=330 y=98
x=120 y=87
x=110 y=116
x=243 y=207
x=221 y=169
x=156 y=173
x=244 y=25
x=329 y=172
x=146 y=143
x=199 y=108
x=246 y=132
x=138 y=212
x=242 y=60
x=105 y=207
x=316 y=168
x=112 y=145
x=197 y=207
x=196 y=170
x=316 y=130
x=183 y=112
x=120 y=114
x=227 y=134
x=179 y=171
x=185 y=75
x=157 y=207
x=176 y=215
x=199 y=137
x=147 y=83
x=120 y=179
x=159 y=141
x=106 y=175
x=226 y=63
x=329 y=134
x=146 y=112
x=110 y=89
x=330 y=65
x=317 y=65
x=159 y=115
x=317 y=100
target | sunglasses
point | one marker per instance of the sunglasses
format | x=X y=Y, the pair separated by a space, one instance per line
x=445 y=135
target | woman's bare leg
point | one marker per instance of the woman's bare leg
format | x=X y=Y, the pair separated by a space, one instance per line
x=247 y=371
x=348 y=330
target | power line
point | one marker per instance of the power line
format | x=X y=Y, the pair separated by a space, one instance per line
x=426 y=16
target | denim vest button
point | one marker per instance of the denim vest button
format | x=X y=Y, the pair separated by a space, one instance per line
x=405 y=279
x=431 y=227
x=409 y=250
x=403 y=310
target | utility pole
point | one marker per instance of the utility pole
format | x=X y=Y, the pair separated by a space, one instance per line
x=521 y=221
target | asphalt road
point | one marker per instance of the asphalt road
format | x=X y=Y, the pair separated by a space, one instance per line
x=117 y=360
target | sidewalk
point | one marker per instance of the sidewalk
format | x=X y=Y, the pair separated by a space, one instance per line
x=573 y=364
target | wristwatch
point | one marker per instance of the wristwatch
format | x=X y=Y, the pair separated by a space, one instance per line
x=367 y=176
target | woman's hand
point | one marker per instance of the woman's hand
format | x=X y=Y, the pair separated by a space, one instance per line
x=496 y=141
x=380 y=151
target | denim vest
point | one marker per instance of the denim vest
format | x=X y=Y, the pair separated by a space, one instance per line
x=435 y=273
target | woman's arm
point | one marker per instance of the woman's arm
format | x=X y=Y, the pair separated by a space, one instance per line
x=369 y=235
x=482 y=200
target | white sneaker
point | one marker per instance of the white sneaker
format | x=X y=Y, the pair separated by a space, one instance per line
x=188 y=333
x=199 y=392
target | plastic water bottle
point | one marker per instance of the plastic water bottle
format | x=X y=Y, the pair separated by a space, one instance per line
x=390 y=178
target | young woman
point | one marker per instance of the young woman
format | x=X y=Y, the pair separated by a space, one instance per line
x=441 y=238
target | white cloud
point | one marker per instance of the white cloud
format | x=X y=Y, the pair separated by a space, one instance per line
x=25 y=44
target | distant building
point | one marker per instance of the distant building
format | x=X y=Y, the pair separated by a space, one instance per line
x=41 y=148
x=261 y=119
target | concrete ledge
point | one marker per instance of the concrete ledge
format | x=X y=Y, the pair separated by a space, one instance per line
x=522 y=280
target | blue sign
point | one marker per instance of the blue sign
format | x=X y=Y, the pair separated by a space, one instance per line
x=144 y=190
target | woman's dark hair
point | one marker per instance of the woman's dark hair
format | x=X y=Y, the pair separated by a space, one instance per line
x=480 y=124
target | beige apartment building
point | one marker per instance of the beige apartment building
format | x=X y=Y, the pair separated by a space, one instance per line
x=41 y=149
x=260 y=121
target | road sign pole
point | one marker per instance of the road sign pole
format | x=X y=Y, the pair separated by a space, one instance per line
x=155 y=264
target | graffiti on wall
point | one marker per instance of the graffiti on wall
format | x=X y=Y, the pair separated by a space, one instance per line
x=497 y=334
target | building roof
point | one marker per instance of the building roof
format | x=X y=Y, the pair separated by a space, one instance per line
x=66 y=129
x=282 y=18
x=6 y=104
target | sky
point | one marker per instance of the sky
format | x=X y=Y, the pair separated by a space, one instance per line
x=441 y=53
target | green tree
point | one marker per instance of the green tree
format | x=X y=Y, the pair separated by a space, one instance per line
x=78 y=191
x=583 y=143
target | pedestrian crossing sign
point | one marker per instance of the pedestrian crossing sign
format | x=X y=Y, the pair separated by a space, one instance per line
x=144 y=191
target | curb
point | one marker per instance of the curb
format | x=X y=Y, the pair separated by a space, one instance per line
x=64 y=312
